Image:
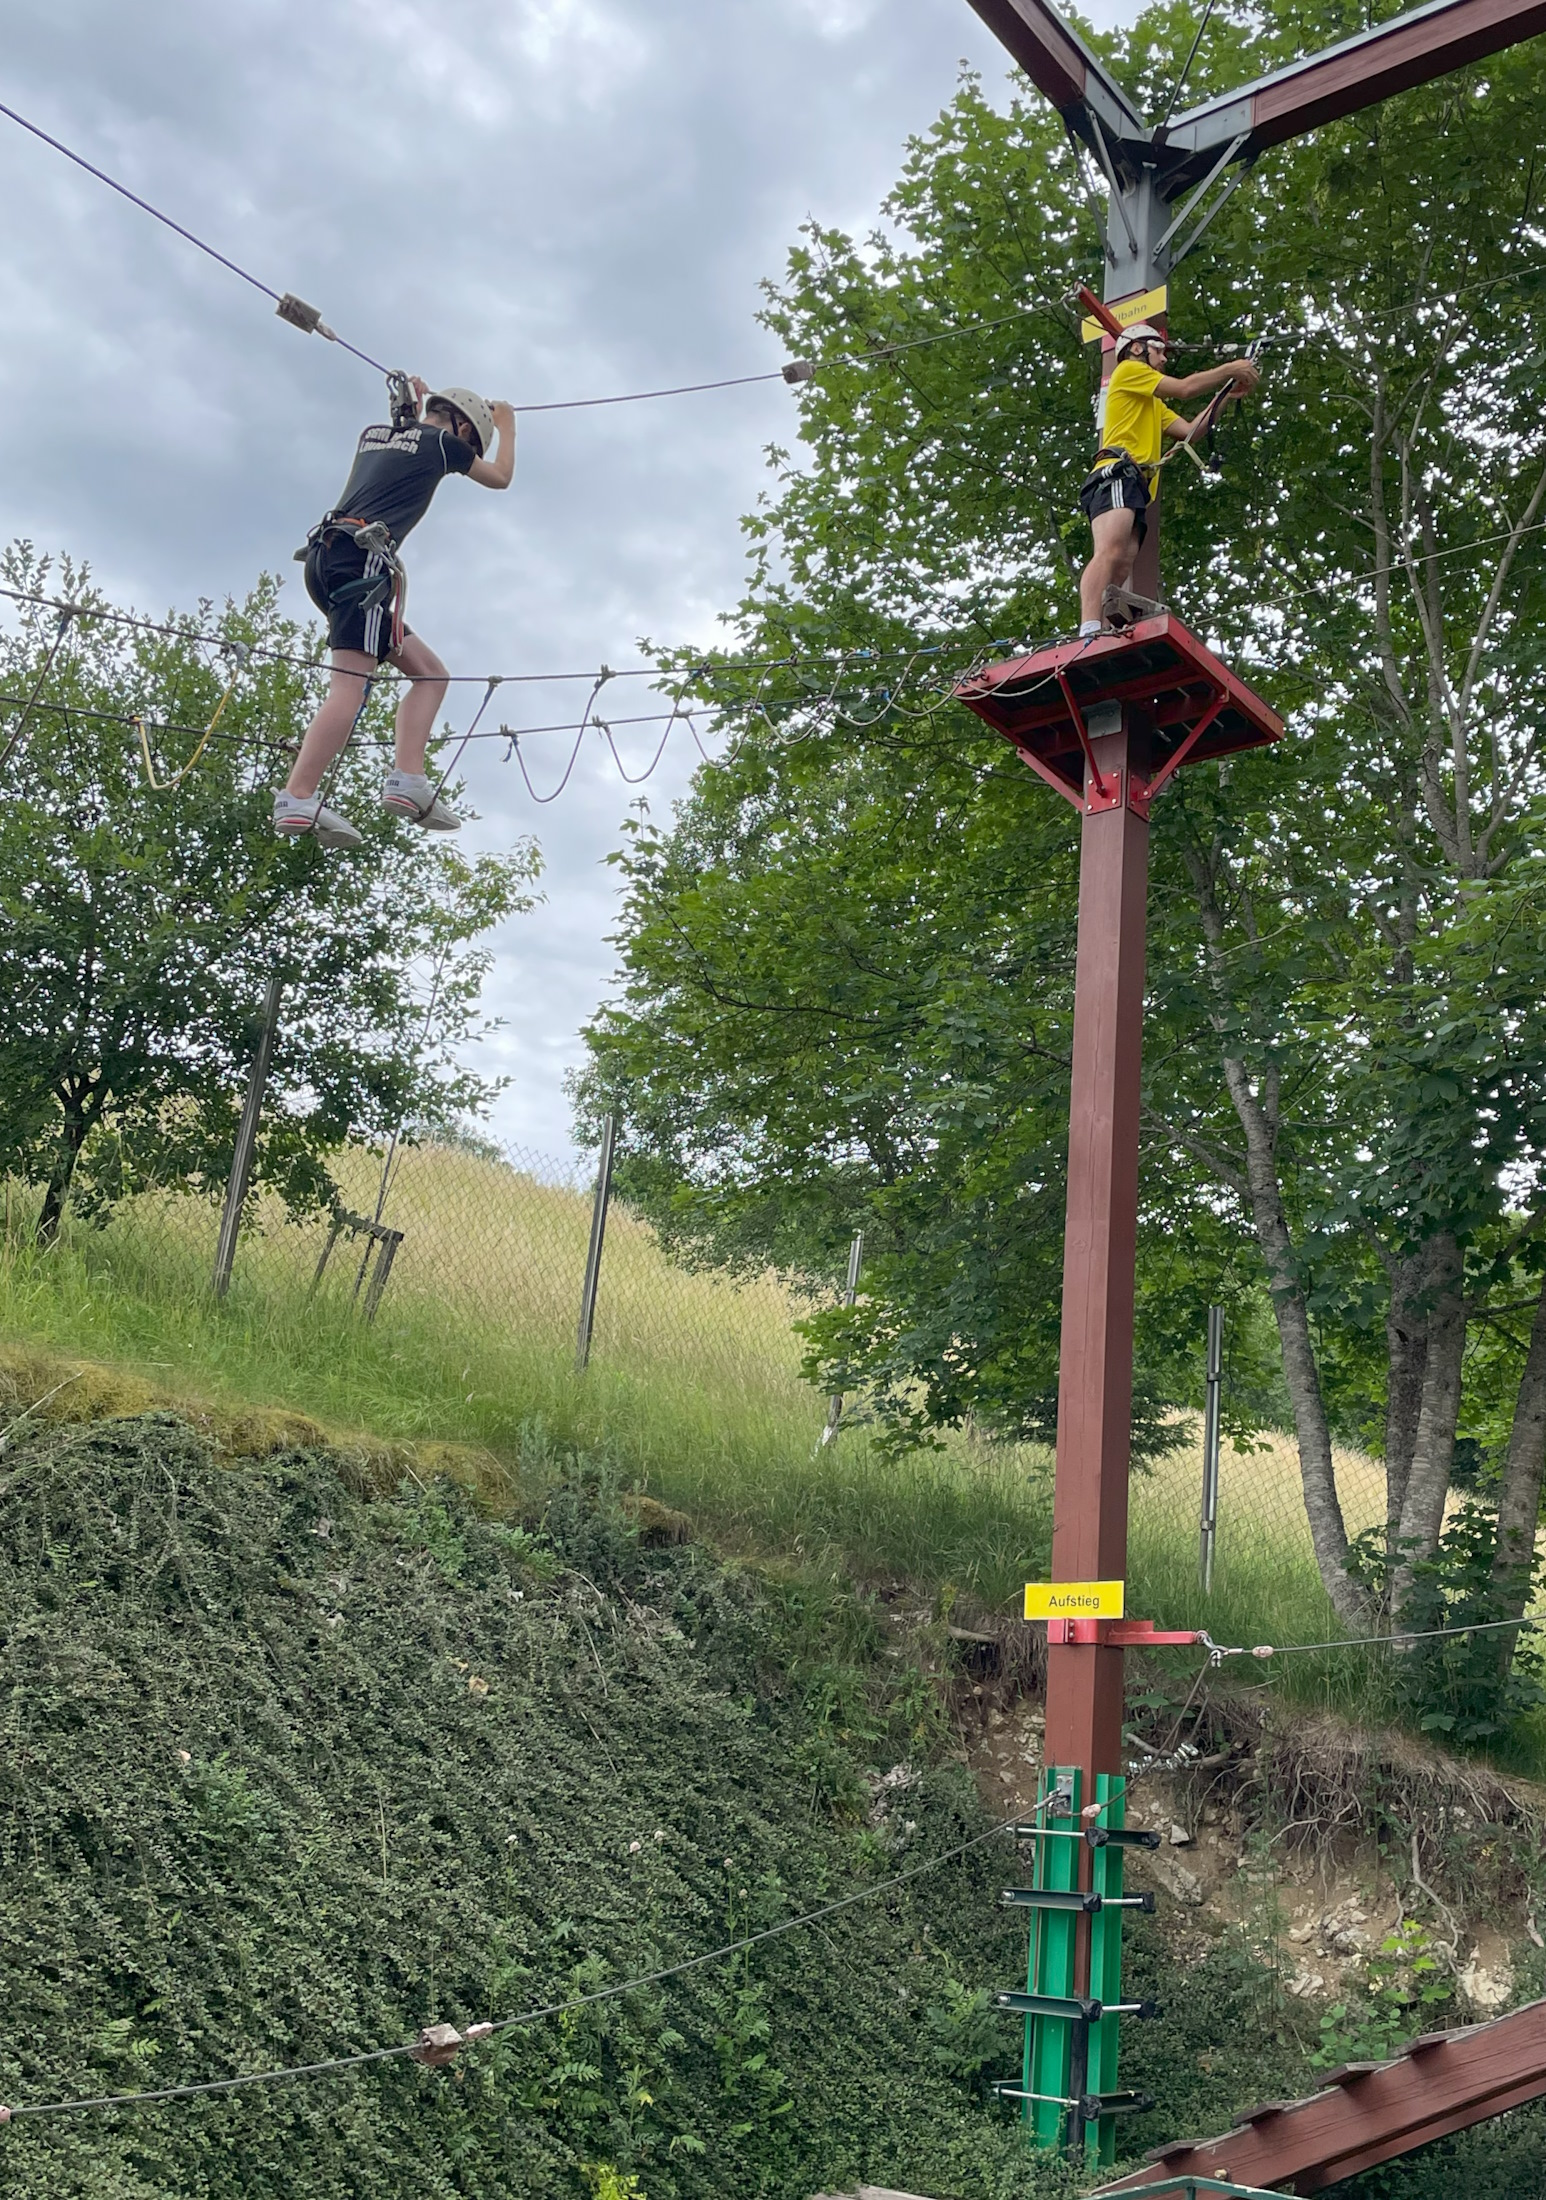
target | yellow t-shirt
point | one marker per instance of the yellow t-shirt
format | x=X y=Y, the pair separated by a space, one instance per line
x=1132 y=418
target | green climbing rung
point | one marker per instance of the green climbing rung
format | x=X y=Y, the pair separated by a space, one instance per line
x=1065 y=2008
x=1065 y=1898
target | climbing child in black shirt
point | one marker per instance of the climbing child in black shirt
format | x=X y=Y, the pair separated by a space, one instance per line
x=353 y=574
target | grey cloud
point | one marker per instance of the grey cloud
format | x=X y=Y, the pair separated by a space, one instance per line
x=554 y=198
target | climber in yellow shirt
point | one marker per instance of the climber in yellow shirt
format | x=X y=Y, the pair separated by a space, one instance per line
x=1136 y=422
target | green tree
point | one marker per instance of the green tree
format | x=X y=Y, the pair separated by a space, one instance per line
x=848 y=960
x=140 y=927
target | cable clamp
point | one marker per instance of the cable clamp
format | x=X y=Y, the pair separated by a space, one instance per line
x=799 y=370
x=308 y=319
x=438 y=2043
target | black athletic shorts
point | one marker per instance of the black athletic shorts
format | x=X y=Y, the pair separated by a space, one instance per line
x=1118 y=487
x=337 y=559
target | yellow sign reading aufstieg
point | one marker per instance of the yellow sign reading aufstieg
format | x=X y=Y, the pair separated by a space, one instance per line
x=1075 y=1599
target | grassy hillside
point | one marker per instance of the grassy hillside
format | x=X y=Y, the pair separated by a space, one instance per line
x=288 y=1774
x=693 y=1391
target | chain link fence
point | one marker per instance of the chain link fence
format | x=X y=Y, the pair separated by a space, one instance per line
x=466 y=1290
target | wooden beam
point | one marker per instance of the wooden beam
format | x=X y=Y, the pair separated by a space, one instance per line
x=1441 y=2084
x=1058 y=63
x=1360 y=72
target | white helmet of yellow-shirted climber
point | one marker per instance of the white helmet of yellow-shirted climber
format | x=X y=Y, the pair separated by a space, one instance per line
x=1135 y=423
x=354 y=574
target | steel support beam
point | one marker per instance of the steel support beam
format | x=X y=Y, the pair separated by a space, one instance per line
x=1358 y=73
x=1095 y=1379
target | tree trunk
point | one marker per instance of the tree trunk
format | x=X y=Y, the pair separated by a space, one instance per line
x=1433 y=1452
x=1519 y=1502
x=51 y=1215
x=1406 y=1350
x=1317 y=1474
x=1256 y=1108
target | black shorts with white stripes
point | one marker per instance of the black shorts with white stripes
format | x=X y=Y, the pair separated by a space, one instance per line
x=1118 y=487
x=335 y=560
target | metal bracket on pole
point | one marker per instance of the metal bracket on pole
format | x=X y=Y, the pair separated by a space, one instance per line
x=1216 y=208
x=1223 y=161
x=598 y=1231
x=1210 y=1448
x=247 y=1139
x=1105 y=794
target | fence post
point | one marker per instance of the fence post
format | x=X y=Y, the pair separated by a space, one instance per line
x=598 y=1231
x=247 y=1139
x=1210 y=1448
x=386 y=1253
x=850 y=1293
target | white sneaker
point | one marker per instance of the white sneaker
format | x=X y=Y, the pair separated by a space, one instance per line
x=296 y=814
x=412 y=794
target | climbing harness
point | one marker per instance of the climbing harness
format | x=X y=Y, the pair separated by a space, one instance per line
x=67 y=613
x=364 y=591
x=238 y=654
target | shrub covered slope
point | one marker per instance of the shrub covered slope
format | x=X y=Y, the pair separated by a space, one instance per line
x=288 y=1773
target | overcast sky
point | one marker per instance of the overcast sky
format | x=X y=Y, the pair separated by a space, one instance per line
x=541 y=199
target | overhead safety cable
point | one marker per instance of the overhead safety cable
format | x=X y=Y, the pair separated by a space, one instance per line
x=414 y=2047
x=281 y=299
x=304 y=317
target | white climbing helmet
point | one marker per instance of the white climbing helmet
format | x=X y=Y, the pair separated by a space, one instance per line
x=472 y=407
x=1141 y=332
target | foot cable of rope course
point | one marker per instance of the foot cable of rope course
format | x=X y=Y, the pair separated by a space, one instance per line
x=67 y=614
x=433 y=2046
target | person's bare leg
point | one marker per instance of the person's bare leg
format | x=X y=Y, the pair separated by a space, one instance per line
x=422 y=698
x=334 y=722
x=1115 y=554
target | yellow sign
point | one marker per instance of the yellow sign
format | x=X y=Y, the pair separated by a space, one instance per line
x=1075 y=1599
x=1146 y=306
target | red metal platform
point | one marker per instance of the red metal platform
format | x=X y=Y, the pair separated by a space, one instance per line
x=1194 y=707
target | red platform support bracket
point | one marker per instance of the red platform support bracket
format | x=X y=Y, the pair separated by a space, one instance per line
x=1107 y=723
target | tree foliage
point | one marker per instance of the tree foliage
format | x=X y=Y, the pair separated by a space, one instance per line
x=848 y=958
x=138 y=928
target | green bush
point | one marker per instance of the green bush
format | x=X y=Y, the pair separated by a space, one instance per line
x=288 y=1774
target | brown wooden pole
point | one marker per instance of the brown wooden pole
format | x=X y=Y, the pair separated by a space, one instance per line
x=1095 y=1376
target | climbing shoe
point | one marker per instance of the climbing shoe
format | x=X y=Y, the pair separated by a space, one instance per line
x=412 y=794
x=297 y=814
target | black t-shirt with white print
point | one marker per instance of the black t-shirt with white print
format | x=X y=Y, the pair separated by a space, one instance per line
x=396 y=472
